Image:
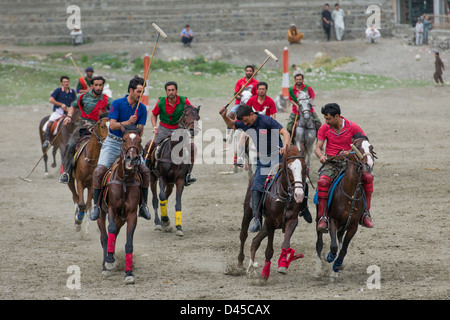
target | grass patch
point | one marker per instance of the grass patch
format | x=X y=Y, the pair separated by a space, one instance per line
x=31 y=83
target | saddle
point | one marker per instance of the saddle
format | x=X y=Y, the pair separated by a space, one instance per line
x=334 y=183
x=109 y=174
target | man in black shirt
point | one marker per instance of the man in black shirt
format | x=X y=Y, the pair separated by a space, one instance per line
x=326 y=20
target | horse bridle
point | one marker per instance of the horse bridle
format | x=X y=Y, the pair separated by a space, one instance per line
x=291 y=185
x=138 y=151
x=181 y=121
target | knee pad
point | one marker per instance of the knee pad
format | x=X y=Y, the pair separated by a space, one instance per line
x=145 y=173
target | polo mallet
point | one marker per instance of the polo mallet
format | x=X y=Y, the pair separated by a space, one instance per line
x=43 y=155
x=69 y=55
x=160 y=33
x=269 y=55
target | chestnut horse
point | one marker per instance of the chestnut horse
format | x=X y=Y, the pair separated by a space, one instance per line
x=85 y=161
x=61 y=140
x=173 y=163
x=283 y=203
x=121 y=202
x=346 y=208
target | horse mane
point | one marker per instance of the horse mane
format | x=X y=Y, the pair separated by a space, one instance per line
x=292 y=151
x=131 y=128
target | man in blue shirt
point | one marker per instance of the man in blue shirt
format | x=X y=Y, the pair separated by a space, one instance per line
x=61 y=98
x=121 y=114
x=265 y=133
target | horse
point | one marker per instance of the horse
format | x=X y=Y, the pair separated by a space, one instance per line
x=59 y=143
x=85 y=160
x=305 y=130
x=347 y=204
x=282 y=204
x=121 y=201
x=170 y=173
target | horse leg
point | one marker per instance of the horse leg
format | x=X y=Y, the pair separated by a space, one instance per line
x=79 y=216
x=164 y=193
x=54 y=150
x=101 y=223
x=246 y=218
x=265 y=273
x=131 y=227
x=319 y=247
x=337 y=265
x=333 y=246
x=283 y=263
x=178 y=214
x=254 y=247
x=113 y=231
x=155 y=202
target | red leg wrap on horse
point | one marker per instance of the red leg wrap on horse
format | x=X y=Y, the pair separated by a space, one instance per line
x=266 y=270
x=284 y=260
x=129 y=262
x=111 y=243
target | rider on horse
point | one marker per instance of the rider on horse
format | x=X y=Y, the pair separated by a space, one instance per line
x=91 y=105
x=337 y=132
x=293 y=96
x=122 y=113
x=170 y=109
x=61 y=98
x=263 y=127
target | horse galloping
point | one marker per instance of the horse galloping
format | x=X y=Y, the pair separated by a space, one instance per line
x=173 y=164
x=85 y=160
x=347 y=204
x=121 y=202
x=284 y=201
x=305 y=130
x=59 y=143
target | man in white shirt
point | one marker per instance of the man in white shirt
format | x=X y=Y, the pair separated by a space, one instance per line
x=419 y=32
x=338 y=19
x=372 y=35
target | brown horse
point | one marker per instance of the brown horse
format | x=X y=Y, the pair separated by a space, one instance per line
x=284 y=201
x=121 y=202
x=60 y=143
x=86 y=159
x=173 y=164
x=346 y=207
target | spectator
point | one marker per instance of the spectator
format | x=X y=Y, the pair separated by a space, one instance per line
x=296 y=70
x=372 y=35
x=427 y=25
x=77 y=36
x=419 y=32
x=293 y=35
x=326 y=20
x=439 y=68
x=338 y=20
x=187 y=36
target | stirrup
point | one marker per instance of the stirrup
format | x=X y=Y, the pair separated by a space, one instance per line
x=64 y=178
x=323 y=230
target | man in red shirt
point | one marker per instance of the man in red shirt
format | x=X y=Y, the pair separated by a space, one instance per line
x=262 y=103
x=251 y=86
x=170 y=109
x=337 y=132
x=293 y=96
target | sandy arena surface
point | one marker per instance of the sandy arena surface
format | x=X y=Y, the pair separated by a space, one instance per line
x=410 y=242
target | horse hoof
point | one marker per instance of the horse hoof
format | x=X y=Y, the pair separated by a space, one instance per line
x=110 y=265
x=106 y=273
x=179 y=232
x=334 y=276
x=53 y=165
x=282 y=270
x=47 y=175
x=158 y=227
x=129 y=279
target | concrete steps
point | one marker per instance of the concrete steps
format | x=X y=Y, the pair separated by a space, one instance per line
x=38 y=22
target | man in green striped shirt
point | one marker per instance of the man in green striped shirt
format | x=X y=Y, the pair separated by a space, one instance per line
x=91 y=105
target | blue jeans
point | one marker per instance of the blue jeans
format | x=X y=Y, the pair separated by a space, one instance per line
x=109 y=152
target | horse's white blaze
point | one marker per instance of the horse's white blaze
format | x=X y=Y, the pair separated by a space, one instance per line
x=296 y=168
x=132 y=136
x=366 y=147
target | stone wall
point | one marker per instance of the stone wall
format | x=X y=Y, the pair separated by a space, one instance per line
x=44 y=21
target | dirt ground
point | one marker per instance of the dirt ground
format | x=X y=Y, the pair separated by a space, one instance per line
x=410 y=242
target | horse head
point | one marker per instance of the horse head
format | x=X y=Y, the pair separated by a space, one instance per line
x=295 y=169
x=305 y=106
x=189 y=119
x=131 y=148
x=363 y=151
x=101 y=128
